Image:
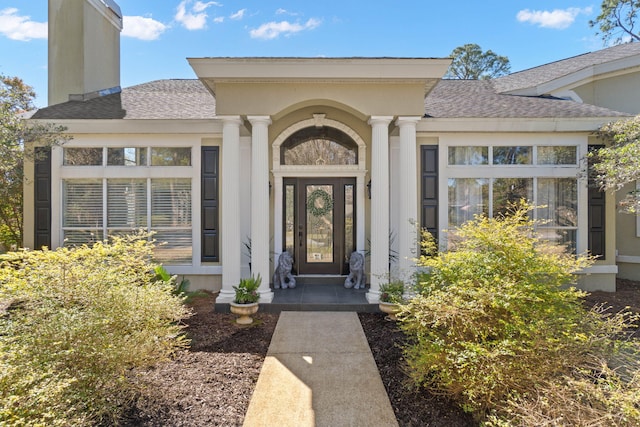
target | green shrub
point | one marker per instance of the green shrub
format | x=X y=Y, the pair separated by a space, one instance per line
x=495 y=315
x=247 y=290
x=392 y=291
x=73 y=323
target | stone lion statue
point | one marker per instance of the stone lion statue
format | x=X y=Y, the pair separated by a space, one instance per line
x=356 y=278
x=282 y=277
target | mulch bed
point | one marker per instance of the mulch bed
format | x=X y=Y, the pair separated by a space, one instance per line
x=211 y=383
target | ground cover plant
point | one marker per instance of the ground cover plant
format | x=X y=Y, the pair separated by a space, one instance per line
x=73 y=323
x=497 y=327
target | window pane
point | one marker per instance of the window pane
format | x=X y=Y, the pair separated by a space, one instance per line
x=82 y=157
x=320 y=152
x=468 y=155
x=566 y=155
x=559 y=196
x=512 y=155
x=349 y=219
x=127 y=156
x=170 y=202
x=507 y=191
x=289 y=200
x=170 y=156
x=319 y=146
x=81 y=237
x=467 y=197
x=563 y=237
x=82 y=203
x=174 y=246
x=127 y=203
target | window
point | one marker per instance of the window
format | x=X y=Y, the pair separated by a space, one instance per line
x=557 y=155
x=82 y=157
x=170 y=156
x=467 y=197
x=512 y=155
x=160 y=205
x=319 y=146
x=468 y=155
x=126 y=156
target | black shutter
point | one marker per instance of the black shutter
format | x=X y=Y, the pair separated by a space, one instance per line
x=42 y=195
x=429 y=192
x=597 y=210
x=210 y=206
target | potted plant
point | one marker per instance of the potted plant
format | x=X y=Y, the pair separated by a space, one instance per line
x=391 y=295
x=245 y=302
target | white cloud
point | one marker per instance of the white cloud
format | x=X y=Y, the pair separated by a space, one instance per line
x=282 y=11
x=193 y=17
x=139 y=27
x=558 y=19
x=272 y=30
x=218 y=19
x=239 y=14
x=21 y=28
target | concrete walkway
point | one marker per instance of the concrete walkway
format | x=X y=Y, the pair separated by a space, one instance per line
x=319 y=371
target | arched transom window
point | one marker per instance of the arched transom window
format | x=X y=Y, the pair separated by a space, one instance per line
x=319 y=146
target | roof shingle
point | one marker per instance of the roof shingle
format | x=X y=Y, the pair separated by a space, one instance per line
x=160 y=99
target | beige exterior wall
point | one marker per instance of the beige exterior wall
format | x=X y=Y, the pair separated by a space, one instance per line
x=362 y=99
x=620 y=93
x=84 y=48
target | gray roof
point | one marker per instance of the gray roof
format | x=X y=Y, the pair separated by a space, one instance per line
x=189 y=99
x=545 y=73
x=160 y=99
x=477 y=98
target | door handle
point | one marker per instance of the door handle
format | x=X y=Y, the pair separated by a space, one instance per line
x=300 y=238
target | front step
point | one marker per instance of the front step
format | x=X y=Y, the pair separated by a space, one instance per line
x=315 y=297
x=319 y=279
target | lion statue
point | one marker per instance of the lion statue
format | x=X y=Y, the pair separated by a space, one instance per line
x=282 y=277
x=356 y=278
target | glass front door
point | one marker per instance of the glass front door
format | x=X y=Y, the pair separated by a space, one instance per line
x=319 y=223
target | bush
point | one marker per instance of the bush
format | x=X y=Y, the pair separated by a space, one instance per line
x=73 y=323
x=496 y=315
x=247 y=290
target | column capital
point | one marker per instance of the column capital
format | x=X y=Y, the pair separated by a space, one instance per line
x=380 y=120
x=259 y=120
x=408 y=120
x=230 y=120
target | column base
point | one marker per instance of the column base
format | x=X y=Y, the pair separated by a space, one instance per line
x=373 y=297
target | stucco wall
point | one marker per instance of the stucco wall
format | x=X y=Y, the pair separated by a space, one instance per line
x=274 y=98
x=84 y=49
x=620 y=93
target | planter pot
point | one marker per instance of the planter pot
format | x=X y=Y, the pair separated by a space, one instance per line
x=390 y=308
x=244 y=311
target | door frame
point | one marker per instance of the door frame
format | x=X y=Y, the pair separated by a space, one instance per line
x=280 y=172
x=339 y=261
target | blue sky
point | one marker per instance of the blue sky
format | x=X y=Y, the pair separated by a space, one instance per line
x=159 y=35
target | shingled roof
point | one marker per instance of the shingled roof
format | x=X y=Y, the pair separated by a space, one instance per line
x=546 y=73
x=159 y=100
x=189 y=99
x=478 y=99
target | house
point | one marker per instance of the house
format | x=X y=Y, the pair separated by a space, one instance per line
x=319 y=156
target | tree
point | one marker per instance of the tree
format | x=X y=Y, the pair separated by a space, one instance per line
x=470 y=62
x=617 y=20
x=16 y=99
x=619 y=163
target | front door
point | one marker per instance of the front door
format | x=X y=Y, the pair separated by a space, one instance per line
x=319 y=228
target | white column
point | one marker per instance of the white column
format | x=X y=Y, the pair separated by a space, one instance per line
x=231 y=239
x=379 y=205
x=408 y=195
x=260 y=203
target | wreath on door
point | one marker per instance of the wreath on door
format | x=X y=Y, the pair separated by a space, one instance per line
x=319 y=203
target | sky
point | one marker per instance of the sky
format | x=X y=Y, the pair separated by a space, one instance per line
x=159 y=35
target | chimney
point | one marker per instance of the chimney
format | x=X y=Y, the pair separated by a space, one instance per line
x=84 y=49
